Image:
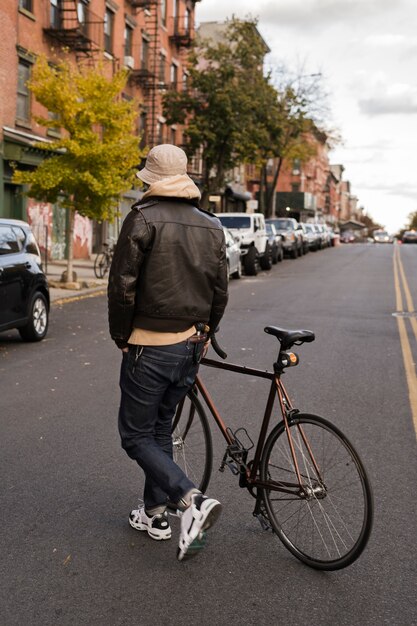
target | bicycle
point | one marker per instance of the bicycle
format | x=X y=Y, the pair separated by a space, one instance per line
x=103 y=259
x=309 y=484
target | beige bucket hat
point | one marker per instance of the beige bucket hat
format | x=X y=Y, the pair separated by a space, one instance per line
x=163 y=161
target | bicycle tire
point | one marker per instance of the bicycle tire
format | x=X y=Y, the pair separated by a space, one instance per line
x=329 y=529
x=192 y=443
x=100 y=265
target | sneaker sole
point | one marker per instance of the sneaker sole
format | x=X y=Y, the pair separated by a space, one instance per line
x=199 y=542
x=143 y=527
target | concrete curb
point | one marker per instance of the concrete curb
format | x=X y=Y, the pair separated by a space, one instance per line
x=57 y=297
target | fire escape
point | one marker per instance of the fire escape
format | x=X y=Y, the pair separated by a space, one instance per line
x=75 y=27
x=150 y=73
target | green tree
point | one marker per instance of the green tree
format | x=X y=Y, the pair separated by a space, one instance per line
x=93 y=163
x=229 y=106
x=412 y=223
x=302 y=110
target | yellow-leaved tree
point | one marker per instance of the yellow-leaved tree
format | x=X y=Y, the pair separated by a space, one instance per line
x=94 y=161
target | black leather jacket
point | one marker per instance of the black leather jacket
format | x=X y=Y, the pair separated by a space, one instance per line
x=169 y=269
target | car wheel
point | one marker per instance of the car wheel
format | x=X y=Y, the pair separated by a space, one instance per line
x=294 y=252
x=250 y=262
x=275 y=255
x=265 y=260
x=37 y=326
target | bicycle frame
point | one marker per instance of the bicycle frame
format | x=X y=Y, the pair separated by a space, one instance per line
x=287 y=411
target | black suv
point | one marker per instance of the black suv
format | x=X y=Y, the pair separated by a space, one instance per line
x=24 y=292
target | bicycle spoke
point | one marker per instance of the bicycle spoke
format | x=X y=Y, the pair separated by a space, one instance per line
x=325 y=524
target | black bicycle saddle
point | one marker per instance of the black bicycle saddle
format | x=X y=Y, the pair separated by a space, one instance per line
x=289 y=337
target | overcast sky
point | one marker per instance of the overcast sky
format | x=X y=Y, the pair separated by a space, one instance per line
x=366 y=51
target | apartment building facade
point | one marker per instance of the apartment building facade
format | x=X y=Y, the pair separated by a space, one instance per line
x=150 y=38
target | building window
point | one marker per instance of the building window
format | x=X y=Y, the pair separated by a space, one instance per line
x=162 y=62
x=187 y=21
x=296 y=167
x=144 y=55
x=26 y=4
x=23 y=94
x=82 y=11
x=55 y=14
x=174 y=76
x=128 y=40
x=173 y=136
x=164 y=12
x=184 y=81
x=159 y=132
x=108 y=31
x=295 y=187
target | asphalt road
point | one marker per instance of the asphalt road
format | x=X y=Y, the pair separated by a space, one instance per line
x=68 y=554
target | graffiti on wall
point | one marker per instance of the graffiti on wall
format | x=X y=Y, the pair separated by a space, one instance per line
x=48 y=223
x=40 y=219
x=83 y=236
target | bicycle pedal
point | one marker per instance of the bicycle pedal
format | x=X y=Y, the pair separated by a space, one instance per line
x=265 y=525
x=233 y=468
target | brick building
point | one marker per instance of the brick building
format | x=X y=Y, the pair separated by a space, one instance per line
x=149 y=37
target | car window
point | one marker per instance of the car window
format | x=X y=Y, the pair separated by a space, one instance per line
x=31 y=245
x=283 y=224
x=234 y=221
x=9 y=242
x=20 y=236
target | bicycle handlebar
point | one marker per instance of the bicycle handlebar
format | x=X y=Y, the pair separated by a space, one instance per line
x=217 y=349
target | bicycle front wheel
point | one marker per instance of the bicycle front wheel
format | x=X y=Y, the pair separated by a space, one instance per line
x=191 y=441
x=100 y=265
x=328 y=522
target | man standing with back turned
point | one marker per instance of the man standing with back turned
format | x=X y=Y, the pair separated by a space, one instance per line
x=167 y=293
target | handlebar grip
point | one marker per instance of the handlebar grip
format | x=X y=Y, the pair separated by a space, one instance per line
x=217 y=348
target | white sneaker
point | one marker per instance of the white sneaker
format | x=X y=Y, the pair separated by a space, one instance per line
x=195 y=520
x=156 y=526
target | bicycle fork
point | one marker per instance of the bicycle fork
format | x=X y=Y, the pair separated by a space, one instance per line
x=288 y=411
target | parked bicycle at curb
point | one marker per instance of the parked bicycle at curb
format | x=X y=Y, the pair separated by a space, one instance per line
x=103 y=259
x=309 y=484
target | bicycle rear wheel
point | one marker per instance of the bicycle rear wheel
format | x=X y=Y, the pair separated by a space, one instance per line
x=100 y=265
x=328 y=525
x=191 y=441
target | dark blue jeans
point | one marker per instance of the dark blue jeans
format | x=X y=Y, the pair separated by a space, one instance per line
x=153 y=380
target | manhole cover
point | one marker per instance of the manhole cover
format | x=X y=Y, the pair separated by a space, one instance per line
x=405 y=314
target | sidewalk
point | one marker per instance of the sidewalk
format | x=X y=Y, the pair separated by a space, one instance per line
x=88 y=284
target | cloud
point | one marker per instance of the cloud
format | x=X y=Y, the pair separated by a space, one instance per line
x=397 y=99
x=385 y=40
x=301 y=14
x=320 y=14
x=403 y=189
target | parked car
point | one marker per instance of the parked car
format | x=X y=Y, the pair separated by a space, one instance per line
x=381 y=236
x=410 y=236
x=234 y=266
x=249 y=229
x=347 y=236
x=24 y=292
x=325 y=233
x=291 y=233
x=311 y=236
x=275 y=242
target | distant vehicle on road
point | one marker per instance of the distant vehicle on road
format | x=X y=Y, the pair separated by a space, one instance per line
x=250 y=229
x=347 y=236
x=275 y=242
x=381 y=236
x=292 y=235
x=234 y=266
x=410 y=236
x=310 y=236
x=24 y=292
